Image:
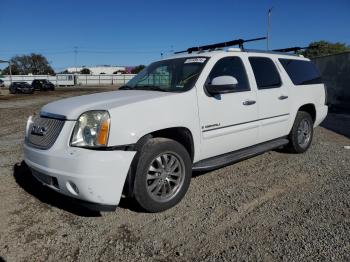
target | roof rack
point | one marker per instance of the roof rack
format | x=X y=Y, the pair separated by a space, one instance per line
x=295 y=49
x=238 y=42
x=290 y=49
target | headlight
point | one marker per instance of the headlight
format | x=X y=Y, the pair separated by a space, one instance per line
x=91 y=129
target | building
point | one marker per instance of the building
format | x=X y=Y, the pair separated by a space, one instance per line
x=97 y=70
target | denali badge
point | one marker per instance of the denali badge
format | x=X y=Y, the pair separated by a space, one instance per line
x=38 y=130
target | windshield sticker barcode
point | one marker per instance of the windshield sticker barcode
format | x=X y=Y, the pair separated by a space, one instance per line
x=195 y=60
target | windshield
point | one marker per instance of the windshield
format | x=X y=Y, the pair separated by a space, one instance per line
x=173 y=75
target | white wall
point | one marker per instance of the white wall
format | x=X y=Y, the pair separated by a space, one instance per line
x=63 y=80
x=70 y=79
x=103 y=79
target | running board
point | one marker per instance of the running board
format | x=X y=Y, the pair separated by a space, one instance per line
x=236 y=156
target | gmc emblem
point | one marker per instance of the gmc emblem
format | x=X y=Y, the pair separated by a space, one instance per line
x=38 y=130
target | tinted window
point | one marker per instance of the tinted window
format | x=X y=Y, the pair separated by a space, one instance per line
x=265 y=72
x=231 y=66
x=172 y=75
x=301 y=72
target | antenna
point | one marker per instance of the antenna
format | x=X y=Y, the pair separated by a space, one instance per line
x=238 y=42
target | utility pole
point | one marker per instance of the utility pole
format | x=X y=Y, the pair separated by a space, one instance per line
x=10 y=67
x=75 y=58
x=268 y=28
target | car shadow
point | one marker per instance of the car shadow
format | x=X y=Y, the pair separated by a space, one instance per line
x=201 y=173
x=25 y=180
x=338 y=121
x=131 y=204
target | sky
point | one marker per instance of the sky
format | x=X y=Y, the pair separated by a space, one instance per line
x=137 y=32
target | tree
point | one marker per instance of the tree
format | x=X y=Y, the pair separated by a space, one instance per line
x=321 y=48
x=85 y=71
x=35 y=64
x=137 y=69
x=64 y=72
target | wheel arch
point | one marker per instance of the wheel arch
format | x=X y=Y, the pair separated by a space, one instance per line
x=310 y=109
x=179 y=134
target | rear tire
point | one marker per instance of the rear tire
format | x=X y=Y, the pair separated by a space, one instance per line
x=301 y=134
x=163 y=174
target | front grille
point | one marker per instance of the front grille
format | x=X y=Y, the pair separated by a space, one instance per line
x=43 y=132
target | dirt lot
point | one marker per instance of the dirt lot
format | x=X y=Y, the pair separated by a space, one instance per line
x=272 y=207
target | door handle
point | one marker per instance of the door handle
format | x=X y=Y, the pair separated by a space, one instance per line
x=249 y=102
x=282 y=97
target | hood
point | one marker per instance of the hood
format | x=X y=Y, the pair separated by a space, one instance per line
x=73 y=107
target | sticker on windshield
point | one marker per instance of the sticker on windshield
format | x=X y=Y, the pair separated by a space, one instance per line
x=195 y=60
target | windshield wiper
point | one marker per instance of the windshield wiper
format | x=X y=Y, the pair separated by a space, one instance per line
x=125 y=87
x=143 y=87
x=150 y=87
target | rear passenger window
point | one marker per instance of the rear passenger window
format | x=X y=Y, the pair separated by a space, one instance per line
x=265 y=72
x=301 y=72
x=231 y=66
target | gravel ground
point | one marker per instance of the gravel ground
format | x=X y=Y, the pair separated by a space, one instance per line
x=272 y=207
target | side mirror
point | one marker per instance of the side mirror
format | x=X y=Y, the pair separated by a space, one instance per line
x=222 y=85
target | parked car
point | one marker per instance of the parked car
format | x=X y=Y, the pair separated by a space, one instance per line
x=2 y=84
x=21 y=87
x=43 y=85
x=198 y=110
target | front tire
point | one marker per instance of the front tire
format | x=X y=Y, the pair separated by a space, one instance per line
x=163 y=174
x=301 y=134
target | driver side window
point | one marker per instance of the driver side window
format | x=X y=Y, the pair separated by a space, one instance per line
x=231 y=66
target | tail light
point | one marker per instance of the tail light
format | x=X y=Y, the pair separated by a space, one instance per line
x=326 y=94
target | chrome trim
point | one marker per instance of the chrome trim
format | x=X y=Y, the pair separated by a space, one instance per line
x=221 y=127
x=45 y=132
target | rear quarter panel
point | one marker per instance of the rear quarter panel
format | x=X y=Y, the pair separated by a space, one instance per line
x=304 y=94
x=307 y=94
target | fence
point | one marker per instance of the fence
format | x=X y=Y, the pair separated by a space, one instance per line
x=335 y=71
x=87 y=80
x=71 y=80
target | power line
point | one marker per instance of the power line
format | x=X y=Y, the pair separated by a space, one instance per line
x=85 y=49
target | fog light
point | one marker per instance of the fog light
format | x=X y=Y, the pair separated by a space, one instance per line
x=72 y=188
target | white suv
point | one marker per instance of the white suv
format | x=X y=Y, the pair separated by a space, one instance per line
x=193 y=111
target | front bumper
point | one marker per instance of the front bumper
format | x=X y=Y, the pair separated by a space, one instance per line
x=94 y=176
